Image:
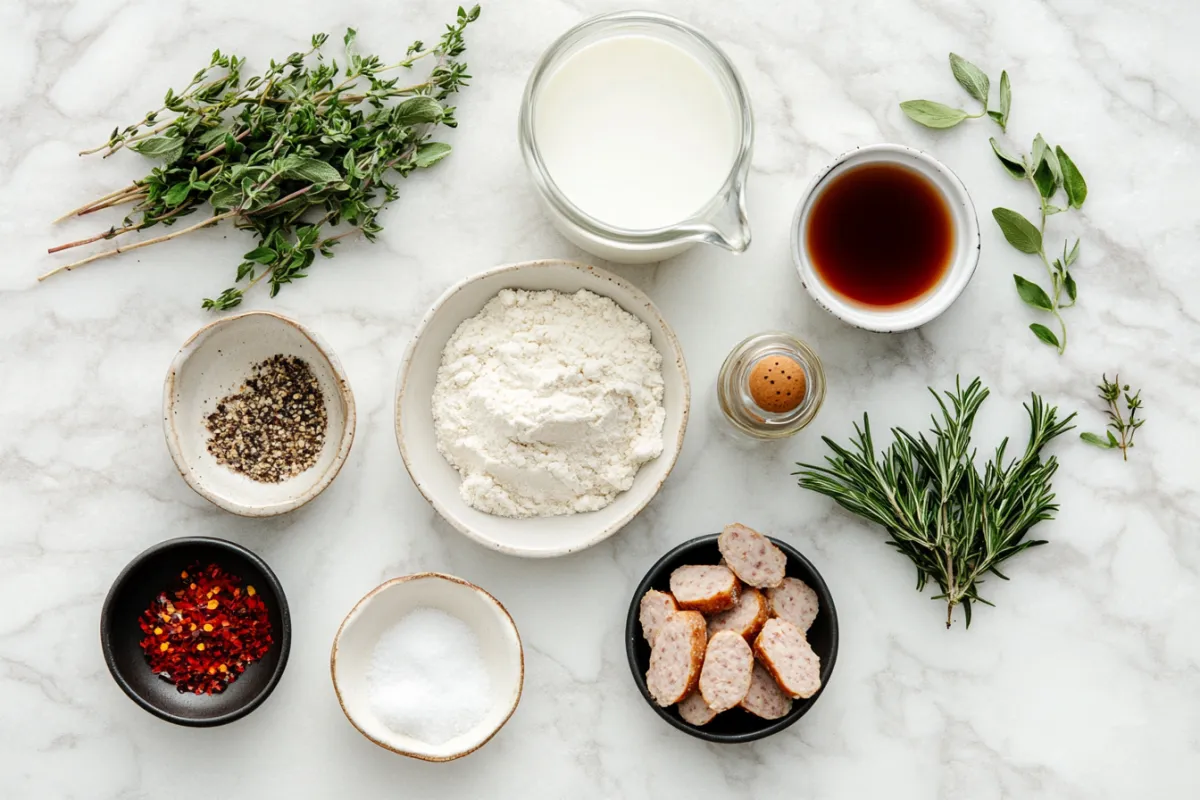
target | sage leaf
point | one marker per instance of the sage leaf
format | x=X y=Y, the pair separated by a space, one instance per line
x=1019 y=231
x=312 y=170
x=1043 y=178
x=1005 y=100
x=1011 y=163
x=430 y=153
x=1069 y=285
x=1092 y=438
x=211 y=136
x=418 y=111
x=970 y=77
x=1032 y=294
x=1055 y=167
x=1039 y=150
x=1070 y=257
x=931 y=114
x=1045 y=334
x=225 y=197
x=1073 y=182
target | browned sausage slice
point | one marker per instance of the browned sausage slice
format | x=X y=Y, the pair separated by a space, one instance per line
x=765 y=699
x=752 y=556
x=676 y=657
x=783 y=650
x=745 y=618
x=795 y=601
x=656 y=607
x=725 y=678
x=706 y=588
x=693 y=710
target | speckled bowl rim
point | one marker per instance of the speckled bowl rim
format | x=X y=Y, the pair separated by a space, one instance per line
x=676 y=353
x=172 y=435
x=366 y=599
x=883 y=320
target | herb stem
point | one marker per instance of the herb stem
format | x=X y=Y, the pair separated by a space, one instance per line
x=133 y=187
x=118 y=250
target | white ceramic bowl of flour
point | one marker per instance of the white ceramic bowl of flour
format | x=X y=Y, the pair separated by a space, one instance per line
x=440 y=483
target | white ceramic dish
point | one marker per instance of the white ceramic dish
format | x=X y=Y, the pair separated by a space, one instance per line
x=213 y=364
x=439 y=482
x=387 y=604
x=962 y=265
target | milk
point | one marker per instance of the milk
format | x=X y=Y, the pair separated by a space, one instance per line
x=636 y=131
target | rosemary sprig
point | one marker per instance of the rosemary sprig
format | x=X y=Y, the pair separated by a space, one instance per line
x=955 y=523
x=302 y=154
x=1111 y=393
x=1048 y=169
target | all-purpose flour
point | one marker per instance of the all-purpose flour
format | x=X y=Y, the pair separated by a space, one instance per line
x=548 y=403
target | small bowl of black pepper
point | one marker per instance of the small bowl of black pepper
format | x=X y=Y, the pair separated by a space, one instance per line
x=258 y=414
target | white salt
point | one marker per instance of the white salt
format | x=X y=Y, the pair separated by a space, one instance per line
x=427 y=678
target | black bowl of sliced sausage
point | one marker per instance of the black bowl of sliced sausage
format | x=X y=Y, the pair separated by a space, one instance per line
x=732 y=637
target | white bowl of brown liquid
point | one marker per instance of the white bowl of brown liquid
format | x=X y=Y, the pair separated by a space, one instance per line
x=885 y=238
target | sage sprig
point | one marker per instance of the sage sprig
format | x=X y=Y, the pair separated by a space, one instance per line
x=1048 y=169
x=302 y=155
x=932 y=114
x=955 y=522
x=1111 y=393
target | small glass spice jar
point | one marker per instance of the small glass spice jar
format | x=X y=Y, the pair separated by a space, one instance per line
x=771 y=386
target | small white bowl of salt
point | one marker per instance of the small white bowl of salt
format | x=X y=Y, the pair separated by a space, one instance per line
x=428 y=666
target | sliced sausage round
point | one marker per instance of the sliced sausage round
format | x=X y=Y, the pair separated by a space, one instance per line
x=693 y=710
x=783 y=650
x=795 y=601
x=752 y=556
x=706 y=588
x=725 y=677
x=765 y=699
x=654 y=609
x=676 y=657
x=745 y=618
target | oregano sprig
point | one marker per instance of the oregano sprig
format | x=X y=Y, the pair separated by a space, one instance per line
x=1049 y=170
x=303 y=154
x=1112 y=393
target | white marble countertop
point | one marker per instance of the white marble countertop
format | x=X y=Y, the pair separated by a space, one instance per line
x=1083 y=682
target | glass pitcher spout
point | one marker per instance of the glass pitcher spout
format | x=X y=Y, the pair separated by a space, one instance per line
x=728 y=226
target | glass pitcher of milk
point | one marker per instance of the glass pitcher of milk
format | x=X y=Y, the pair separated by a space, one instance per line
x=637 y=132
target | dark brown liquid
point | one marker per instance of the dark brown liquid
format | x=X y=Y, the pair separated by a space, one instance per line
x=880 y=235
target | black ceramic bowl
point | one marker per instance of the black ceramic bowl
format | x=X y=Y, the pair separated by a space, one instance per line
x=157 y=570
x=733 y=726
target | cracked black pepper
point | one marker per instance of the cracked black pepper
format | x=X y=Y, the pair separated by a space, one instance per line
x=273 y=428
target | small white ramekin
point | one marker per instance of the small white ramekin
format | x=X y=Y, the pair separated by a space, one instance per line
x=963 y=262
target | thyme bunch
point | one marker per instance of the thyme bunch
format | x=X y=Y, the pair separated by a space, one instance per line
x=302 y=155
x=955 y=522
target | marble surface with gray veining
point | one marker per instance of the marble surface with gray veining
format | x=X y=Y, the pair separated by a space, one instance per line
x=1083 y=682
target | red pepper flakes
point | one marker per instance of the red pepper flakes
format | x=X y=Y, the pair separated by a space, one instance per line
x=207 y=632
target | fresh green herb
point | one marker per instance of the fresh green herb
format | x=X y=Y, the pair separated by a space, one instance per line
x=975 y=81
x=301 y=155
x=955 y=523
x=1048 y=169
x=1111 y=393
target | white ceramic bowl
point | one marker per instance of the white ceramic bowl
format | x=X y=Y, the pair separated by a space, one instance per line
x=213 y=364
x=499 y=642
x=439 y=482
x=963 y=261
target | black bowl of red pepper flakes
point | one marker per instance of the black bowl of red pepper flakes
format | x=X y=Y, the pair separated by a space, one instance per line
x=196 y=631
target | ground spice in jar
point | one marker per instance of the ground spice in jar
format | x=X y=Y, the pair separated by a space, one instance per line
x=274 y=427
x=204 y=634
